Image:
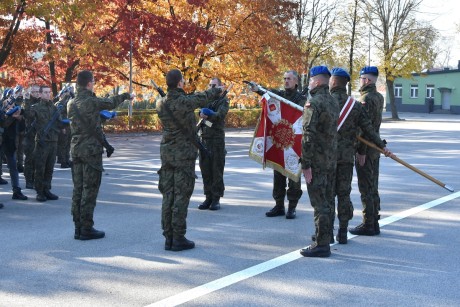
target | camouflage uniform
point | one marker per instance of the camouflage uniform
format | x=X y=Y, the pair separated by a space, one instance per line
x=319 y=152
x=178 y=155
x=86 y=150
x=368 y=174
x=346 y=149
x=45 y=145
x=63 y=151
x=20 y=133
x=212 y=168
x=29 y=141
x=294 y=191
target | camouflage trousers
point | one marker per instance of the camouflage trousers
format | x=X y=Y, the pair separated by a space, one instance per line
x=368 y=184
x=63 y=152
x=321 y=193
x=176 y=184
x=29 y=163
x=45 y=157
x=344 y=176
x=86 y=177
x=294 y=191
x=212 y=168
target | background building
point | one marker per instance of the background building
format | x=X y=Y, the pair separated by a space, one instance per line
x=434 y=90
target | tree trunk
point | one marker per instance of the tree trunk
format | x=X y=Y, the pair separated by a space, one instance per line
x=391 y=95
x=51 y=63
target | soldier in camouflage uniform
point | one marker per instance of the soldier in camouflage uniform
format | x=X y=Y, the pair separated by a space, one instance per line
x=356 y=120
x=213 y=137
x=178 y=155
x=45 y=143
x=319 y=157
x=63 y=151
x=294 y=191
x=29 y=135
x=368 y=167
x=86 y=150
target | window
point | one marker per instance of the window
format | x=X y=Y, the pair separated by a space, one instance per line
x=414 y=91
x=429 y=91
x=398 y=90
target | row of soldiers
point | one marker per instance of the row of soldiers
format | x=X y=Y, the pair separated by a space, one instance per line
x=329 y=151
x=32 y=130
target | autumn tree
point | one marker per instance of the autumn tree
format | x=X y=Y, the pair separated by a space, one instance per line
x=11 y=16
x=96 y=35
x=314 y=24
x=403 y=44
x=251 y=40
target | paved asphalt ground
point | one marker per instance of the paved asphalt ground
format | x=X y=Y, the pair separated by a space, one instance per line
x=242 y=258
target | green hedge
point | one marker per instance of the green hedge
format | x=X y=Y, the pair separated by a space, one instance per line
x=148 y=121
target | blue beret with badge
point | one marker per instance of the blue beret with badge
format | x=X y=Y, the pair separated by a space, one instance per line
x=319 y=70
x=369 y=70
x=340 y=72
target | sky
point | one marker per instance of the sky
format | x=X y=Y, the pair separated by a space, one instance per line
x=444 y=15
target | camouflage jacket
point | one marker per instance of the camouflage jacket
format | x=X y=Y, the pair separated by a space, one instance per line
x=220 y=106
x=175 y=144
x=319 y=139
x=85 y=126
x=42 y=112
x=28 y=118
x=356 y=120
x=373 y=103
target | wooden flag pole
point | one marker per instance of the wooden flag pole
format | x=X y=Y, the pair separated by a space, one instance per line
x=394 y=157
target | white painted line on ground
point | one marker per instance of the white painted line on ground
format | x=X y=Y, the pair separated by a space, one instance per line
x=234 y=278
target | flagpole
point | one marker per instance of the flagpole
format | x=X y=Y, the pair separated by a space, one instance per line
x=130 y=106
x=265 y=91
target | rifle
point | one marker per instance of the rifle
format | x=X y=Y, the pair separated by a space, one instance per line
x=49 y=125
x=194 y=139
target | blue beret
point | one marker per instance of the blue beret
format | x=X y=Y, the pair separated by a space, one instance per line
x=369 y=70
x=340 y=72
x=319 y=70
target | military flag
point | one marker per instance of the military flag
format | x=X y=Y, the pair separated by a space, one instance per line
x=278 y=136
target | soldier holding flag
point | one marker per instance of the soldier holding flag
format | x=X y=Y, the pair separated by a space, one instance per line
x=294 y=191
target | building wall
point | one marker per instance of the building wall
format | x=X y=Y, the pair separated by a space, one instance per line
x=440 y=79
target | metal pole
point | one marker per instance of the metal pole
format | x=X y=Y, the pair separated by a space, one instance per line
x=130 y=107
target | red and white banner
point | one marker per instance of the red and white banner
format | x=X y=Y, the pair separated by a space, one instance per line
x=277 y=141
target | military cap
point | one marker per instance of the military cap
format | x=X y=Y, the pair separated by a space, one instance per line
x=369 y=70
x=319 y=70
x=340 y=72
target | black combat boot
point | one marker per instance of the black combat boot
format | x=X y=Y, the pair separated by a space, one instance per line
x=50 y=195
x=342 y=236
x=277 y=210
x=20 y=168
x=29 y=185
x=65 y=165
x=3 y=181
x=376 y=225
x=206 y=204
x=215 y=205
x=315 y=250
x=90 y=234
x=41 y=197
x=363 y=230
x=17 y=194
x=1 y=205
x=168 y=244
x=76 y=236
x=291 y=213
x=376 y=228
x=181 y=243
